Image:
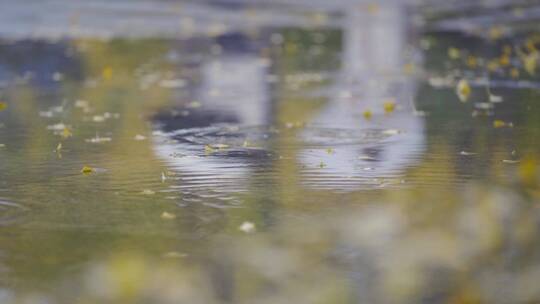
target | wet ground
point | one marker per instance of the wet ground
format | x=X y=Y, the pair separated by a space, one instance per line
x=216 y=153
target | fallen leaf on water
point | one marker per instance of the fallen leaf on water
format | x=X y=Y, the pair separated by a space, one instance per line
x=501 y=124
x=148 y=192
x=367 y=114
x=107 y=73
x=168 y=216
x=215 y=147
x=247 y=227
x=3 y=106
x=463 y=90
x=66 y=132
x=530 y=62
x=174 y=255
x=98 y=139
x=453 y=53
x=510 y=161
x=389 y=106
x=139 y=137
x=87 y=170
x=163 y=177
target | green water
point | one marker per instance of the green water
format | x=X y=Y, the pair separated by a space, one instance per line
x=251 y=174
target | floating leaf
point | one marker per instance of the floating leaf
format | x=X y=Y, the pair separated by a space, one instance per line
x=389 y=106
x=107 y=73
x=510 y=161
x=463 y=90
x=454 y=53
x=3 y=106
x=168 y=216
x=530 y=62
x=87 y=170
x=66 y=132
x=98 y=139
x=247 y=227
x=367 y=114
x=501 y=124
x=148 y=192
x=139 y=137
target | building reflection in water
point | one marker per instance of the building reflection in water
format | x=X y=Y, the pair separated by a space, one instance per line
x=342 y=150
x=372 y=74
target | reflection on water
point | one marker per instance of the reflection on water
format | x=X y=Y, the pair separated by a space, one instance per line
x=270 y=164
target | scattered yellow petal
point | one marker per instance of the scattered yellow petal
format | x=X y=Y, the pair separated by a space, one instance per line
x=3 y=106
x=389 y=106
x=367 y=114
x=87 y=170
x=168 y=216
x=66 y=132
x=453 y=53
x=501 y=124
x=107 y=73
x=463 y=90
x=530 y=62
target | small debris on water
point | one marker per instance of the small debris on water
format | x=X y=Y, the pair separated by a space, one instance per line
x=168 y=216
x=87 y=170
x=247 y=227
x=463 y=90
x=139 y=137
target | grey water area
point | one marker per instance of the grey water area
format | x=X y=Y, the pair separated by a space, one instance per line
x=269 y=151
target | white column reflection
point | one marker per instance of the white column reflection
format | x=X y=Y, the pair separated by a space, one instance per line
x=372 y=73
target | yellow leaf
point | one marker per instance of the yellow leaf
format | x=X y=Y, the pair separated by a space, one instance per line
x=87 y=170
x=66 y=132
x=463 y=90
x=367 y=114
x=453 y=53
x=389 y=106
x=107 y=73
x=168 y=216
x=501 y=124
x=148 y=192
x=3 y=106
x=529 y=62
